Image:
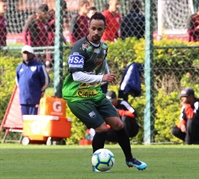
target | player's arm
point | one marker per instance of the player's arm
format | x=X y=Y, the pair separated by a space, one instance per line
x=17 y=75
x=76 y=64
x=128 y=111
x=183 y=120
x=45 y=80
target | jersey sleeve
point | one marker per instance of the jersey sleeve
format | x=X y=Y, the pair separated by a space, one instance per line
x=75 y=62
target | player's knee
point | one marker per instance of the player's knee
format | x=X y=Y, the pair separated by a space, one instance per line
x=101 y=128
x=118 y=126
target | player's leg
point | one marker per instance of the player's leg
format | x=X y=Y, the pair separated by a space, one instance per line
x=178 y=133
x=131 y=125
x=88 y=114
x=29 y=109
x=111 y=117
x=192 y=135
x=111 y=135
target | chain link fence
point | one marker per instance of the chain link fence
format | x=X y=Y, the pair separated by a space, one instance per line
x=153 y=34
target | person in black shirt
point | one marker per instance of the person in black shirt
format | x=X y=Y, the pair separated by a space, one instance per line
x=133 y=24
x=127 y=114
x=188 y=126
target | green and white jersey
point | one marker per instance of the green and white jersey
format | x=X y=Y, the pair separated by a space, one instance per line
x=89 y=59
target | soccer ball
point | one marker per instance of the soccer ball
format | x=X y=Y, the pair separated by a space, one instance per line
x=103 y=160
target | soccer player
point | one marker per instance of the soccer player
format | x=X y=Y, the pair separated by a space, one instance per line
x=83 y=93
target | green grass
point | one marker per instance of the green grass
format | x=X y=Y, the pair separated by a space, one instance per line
x=74 y=162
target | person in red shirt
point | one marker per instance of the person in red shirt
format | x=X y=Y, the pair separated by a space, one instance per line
x=79 y=23
x=193 y=27
x=35 y=31
x=51 y=34
x=113 y=21
x=3 y=22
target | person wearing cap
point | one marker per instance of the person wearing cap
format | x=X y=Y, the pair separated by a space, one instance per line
x=32 y=79
x=35 y=30
x=188 y=126
x=127 y=114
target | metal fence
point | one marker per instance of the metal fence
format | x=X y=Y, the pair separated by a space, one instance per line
x=170 y=61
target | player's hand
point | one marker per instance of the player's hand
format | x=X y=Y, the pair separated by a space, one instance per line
x=109 y=78
x=183 y=128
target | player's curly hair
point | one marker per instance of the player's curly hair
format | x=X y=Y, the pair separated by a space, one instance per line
x=98 y=16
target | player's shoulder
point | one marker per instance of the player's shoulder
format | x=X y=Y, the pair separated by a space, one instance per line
x=104 y=45
x=81 y=44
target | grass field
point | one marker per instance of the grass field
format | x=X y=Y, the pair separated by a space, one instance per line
x=74 y=162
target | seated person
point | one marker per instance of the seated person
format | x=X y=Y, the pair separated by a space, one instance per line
x=127 y=114
x=188 y=126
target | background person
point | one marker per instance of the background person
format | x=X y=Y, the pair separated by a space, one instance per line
x=83 y=93
x=35 y=30
x=92 y=10
x=127 y=114
x=133 y=24
x=113 y=20
x=79 y=23
x=32 y=80
x=193 y=27
x=105 y=7
x=3 y=23
x=51 y=34
x=188 y=126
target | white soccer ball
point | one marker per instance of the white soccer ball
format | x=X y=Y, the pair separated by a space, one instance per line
x=103 y=160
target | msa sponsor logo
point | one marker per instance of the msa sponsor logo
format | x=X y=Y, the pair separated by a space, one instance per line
x=75 y=59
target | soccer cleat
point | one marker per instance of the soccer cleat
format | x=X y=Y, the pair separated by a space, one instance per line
x=94 y=169
x=137 y=164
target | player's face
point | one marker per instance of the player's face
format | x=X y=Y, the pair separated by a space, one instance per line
x=44 y=16
x=96 y=30
x=3 y=7
x=187 y=99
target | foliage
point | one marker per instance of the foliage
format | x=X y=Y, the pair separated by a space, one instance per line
x=8 y=63
x=175 y=66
